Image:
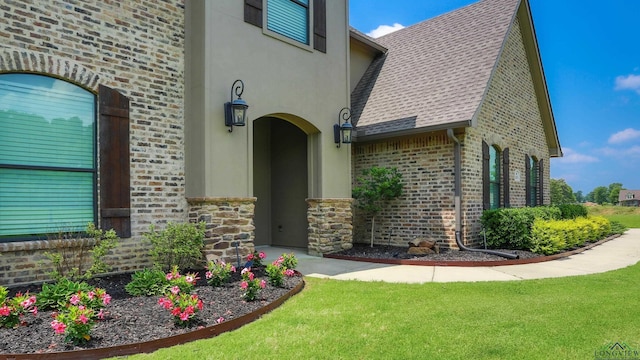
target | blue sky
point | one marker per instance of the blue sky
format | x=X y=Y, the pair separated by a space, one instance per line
x=591 y=57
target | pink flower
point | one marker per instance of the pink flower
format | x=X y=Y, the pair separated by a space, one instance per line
x=220 y=319
x=83 y=319
x=175 y=290
x=244 y=271
x=244 y=285
x=250 y=257
x=251 y=276
x=233 y=268
x=91 y=295
x=263 y=284
x=289 y=272
x=190 y=279
x=200 y=304
x=106 y=299
x=176 y=311
x=58 y=326
x=75 y=299
x=184 y=316
x=5 y=311
x=262 y=255
x=100 y=314
x=34 y=311
x=208 y=274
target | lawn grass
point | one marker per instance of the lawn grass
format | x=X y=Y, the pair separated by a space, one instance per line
x=562 y=318
x=626 y=215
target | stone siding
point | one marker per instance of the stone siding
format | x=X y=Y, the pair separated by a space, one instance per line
x=426 y=208
x=136 y=47
x=228 y=222
x=330 y=227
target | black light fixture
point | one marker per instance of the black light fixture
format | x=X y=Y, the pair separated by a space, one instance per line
x=342 y=133
x=235 y=111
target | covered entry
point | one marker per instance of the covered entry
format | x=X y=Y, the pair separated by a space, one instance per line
x=281 y=181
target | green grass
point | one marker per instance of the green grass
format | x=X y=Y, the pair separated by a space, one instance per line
x=626 y=215
x=564 y=318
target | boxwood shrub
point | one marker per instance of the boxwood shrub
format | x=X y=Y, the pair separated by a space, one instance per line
x=552 y=236
x=572 y=211
x=510 y=228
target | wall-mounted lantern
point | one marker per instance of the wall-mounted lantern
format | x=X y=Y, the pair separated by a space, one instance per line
x=342 y=133
x=235 y=111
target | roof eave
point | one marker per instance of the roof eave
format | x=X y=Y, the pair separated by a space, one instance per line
x=366 y=40
x=391 y=134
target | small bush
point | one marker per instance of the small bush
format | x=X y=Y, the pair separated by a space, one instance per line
x=572 y=211
x=177 y=245
x=511 y=228
x=147 y=283
x=617 y=228
x=547 y=237
x=56 y=296
x=218 y=272
x=552 y=236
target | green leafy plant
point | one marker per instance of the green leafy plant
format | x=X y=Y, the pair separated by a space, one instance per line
x=510 y=228
x=186 y=283
x=56 y=296
x=218 y=272
x=289 y=261
x=251 y=285
x=12 y=310
x=147 y=282
x=377 y=186
x=617 y=227
x=177 y=245
x=78 y=316
x=73 y=252
x=256 y=258
x=277 y=270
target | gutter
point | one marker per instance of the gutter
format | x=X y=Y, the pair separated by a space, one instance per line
x=457 y=196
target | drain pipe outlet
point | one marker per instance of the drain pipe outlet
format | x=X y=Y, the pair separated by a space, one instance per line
x=457 y=196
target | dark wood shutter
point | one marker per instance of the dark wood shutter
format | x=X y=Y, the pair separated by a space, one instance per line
x=253 y=12
x=540 y=193
x=486 y=198
x=527 y=179
x=506 y=188
x=113 y=142
x=320 y=25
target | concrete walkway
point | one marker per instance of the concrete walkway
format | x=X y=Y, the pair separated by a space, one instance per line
x=615 y=254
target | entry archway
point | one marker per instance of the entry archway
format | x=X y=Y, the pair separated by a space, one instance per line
x=283 y=178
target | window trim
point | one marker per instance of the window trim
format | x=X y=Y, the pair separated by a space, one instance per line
x=498 y=177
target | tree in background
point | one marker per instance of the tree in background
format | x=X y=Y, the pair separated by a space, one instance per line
x=599 y=195
x=561 y=192
x=614 y=192
x=579 y=196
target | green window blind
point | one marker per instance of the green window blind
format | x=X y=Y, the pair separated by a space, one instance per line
x=47 y=156
x=533 y=181
x=494 y=177
x=289 y=18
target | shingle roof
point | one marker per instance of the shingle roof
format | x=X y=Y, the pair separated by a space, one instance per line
x=435 y=72
x=634 y=195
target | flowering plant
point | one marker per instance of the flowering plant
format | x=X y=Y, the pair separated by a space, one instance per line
x=183 y=306
x=12 y=310
x=277 y=270
x=257 y=257
x=186 y=283
x=251 y=285
x=78 y=317
x=218 y=272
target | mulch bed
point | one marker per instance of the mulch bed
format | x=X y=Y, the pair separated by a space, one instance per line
x=132 y=320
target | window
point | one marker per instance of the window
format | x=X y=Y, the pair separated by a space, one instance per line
x=48 y=168
x=47 y=155
x=289 y=18
x=531 y=167
x=494 y=178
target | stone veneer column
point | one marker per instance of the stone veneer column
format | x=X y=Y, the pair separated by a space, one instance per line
x=330 y=227
x=228 y=220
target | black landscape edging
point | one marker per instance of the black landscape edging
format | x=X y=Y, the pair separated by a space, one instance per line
x=150 y=346
x=471 y=263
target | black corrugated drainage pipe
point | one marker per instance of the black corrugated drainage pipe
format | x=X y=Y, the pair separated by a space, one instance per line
x=458 y=202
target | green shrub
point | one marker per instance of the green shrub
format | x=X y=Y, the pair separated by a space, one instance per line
x=572 y=211
x=510 y=228
x=147 y=283
x=56 y=296
x=177 y=245
x=617 y=228
x=552 y=236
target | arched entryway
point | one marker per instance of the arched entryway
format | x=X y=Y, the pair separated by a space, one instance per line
x=281 y=183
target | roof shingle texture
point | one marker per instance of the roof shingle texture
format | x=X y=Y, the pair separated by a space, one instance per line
x=435 y=72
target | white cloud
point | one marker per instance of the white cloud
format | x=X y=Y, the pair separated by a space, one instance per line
x=620 y=153
x=572 y=157
x=386 y=29
x=624 y=135
x=629 y=82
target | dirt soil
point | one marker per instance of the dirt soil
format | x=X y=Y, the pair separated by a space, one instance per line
x=137 y=319
x=400 y=253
